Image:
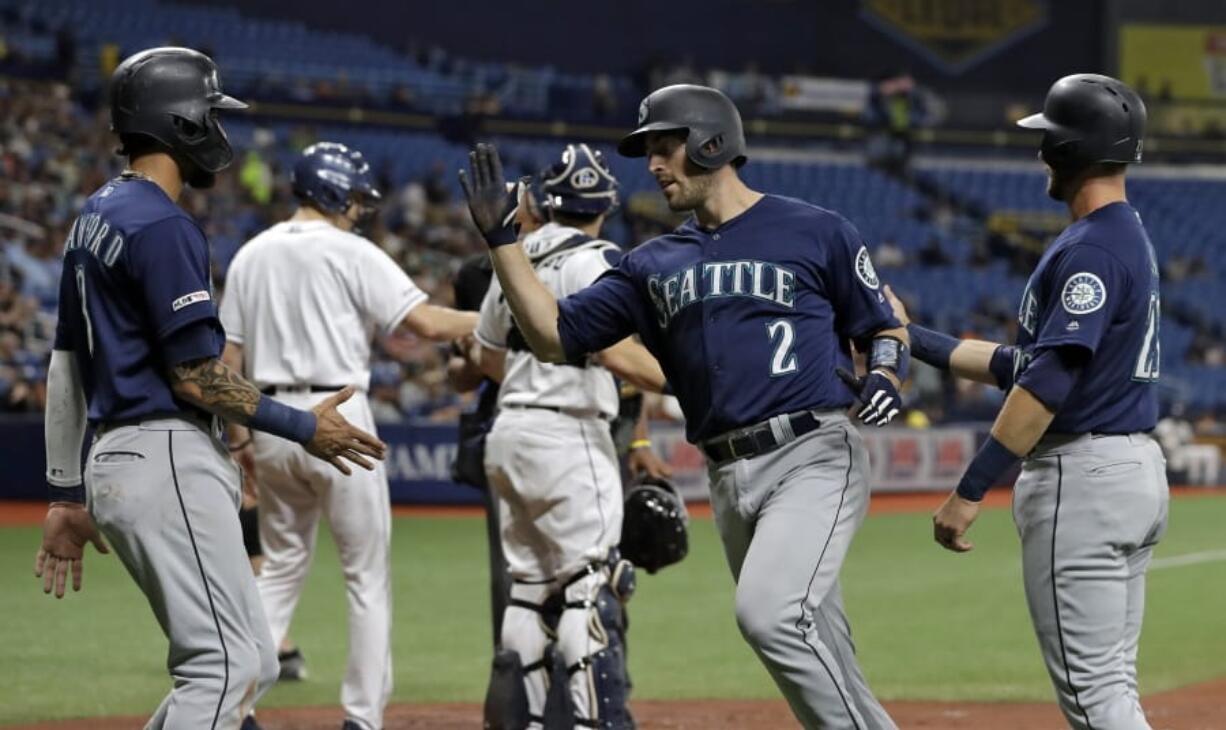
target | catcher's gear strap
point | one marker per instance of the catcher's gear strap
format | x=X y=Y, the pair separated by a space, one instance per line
x=516 y=342
x=605 y=668
x=592 y=568
x=622 y=580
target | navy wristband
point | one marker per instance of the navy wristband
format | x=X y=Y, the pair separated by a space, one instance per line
x=281 y=420
x=934 y=348
x=1003 y=365
x=988 y=466
x=75 y=495
x=503 y=236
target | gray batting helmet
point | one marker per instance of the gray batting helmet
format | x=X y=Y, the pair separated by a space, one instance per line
x=1089 y=119
x=706 y=115
x=171 y=95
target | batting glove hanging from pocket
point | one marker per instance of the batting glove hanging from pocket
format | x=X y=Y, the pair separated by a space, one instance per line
x=879 y=397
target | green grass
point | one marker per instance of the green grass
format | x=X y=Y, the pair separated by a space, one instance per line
x=928 y=624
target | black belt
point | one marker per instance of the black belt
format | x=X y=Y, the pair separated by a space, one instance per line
x=751 y=441
x=305 y=387
x=200 y=419
x=564 y=411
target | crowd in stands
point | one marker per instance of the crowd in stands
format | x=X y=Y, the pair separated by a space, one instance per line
x=83 y=40
x=55 y=151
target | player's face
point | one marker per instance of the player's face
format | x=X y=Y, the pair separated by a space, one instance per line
x=1058 y=185
x=684 y=184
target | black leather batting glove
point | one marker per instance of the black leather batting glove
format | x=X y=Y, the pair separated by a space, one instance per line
x=880 y=399
x=492 y=203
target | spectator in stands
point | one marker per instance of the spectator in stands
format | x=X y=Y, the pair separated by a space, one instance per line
x=402 y=97
x=385 y=392
x=1187 y=462
x=256 y=177
x=604 y=99
x=755 y=93
x=897 y=107
x=889 y=255
x=36 y=260
x=932 y=254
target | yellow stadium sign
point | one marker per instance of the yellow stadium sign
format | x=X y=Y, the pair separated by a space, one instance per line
x=1185 y=62
x=956 y=34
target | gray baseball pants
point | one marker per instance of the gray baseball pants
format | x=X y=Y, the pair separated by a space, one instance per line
x=165 y=494
x=787 y=518
x=1089 y=510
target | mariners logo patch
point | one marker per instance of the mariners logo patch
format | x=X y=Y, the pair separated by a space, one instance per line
x=584 y=179
x=864 y=269
x=643 y=110
x=1083 y=293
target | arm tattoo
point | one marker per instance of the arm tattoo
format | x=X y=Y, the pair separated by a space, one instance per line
x=216 y=388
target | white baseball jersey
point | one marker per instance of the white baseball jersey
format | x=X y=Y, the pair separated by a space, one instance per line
x=564 y=270
x=304 y=299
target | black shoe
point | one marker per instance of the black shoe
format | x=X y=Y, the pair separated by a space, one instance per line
x=293 y=666
x=350 y=725
x=249 y=723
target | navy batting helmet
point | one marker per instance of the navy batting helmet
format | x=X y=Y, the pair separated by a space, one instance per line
x=578 y=184
x=706 y=115
x=1089 y=119
x=331 y=176
x=654 y=523
x=172 y=96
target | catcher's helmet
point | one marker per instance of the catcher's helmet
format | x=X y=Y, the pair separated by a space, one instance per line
x=706 y=115
x=579 y=184
x=654 y=526
x=330 y=175
x=171 y=94
x=1089 y=119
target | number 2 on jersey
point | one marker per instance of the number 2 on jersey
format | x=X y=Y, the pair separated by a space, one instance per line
x=89 y=326
x=1148 y=360
x=781 y=332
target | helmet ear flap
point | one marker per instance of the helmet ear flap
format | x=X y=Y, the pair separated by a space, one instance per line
x=188 y=130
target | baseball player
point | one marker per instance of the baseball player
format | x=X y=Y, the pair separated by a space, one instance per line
x=750 y=307
x=136 y=353
x=302 y=302
x=1091 y=501
x=550 y=458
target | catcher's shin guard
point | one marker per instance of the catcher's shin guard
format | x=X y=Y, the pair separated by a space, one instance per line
x=528 y=626
x=592 y=641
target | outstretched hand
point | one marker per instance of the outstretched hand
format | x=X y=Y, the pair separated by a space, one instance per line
x=66 y=529
x=336 y=440
x=492 y=202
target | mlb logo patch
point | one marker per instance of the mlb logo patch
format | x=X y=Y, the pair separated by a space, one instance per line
x=186 y=299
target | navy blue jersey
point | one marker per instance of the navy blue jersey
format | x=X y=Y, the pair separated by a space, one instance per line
x=136 y=271
x=748 y=320
x=1096 y=288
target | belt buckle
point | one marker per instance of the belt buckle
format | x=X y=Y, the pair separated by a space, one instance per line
x=732 y=447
